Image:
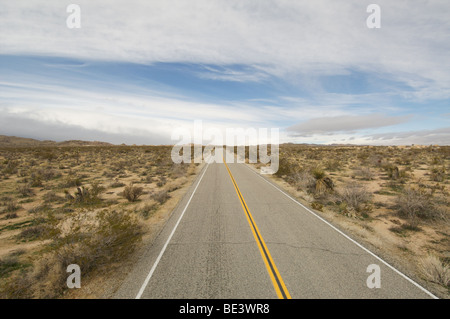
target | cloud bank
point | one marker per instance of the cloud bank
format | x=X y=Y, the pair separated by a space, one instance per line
x=330 y=125
x=312 y=67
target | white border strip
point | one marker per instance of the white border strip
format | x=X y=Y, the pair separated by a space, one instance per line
x=150 y=274
x=353 y=241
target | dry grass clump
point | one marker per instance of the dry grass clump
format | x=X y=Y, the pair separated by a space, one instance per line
x=435 y=270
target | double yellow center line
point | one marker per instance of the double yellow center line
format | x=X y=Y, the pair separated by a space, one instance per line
x=277 y=281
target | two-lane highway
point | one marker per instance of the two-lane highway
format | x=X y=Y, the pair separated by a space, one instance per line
x=236 y=235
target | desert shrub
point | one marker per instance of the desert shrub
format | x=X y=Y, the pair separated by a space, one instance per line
x=119 y=165
x=86 y=195
x=71 y=180
x=11 y=167
x=111 y=236
x=22 y=173
x=365 y=173
x=304 y=180
x=148 y=179
x=323 y=184
x=435 y=270
x=109 y=174
x=332 y=164
x=393 y=171
x=36 y=180
x=40 y=208
x=317 y=206
x=436 y=160
x=116 y=184
x=161 y=182
x=178 y=170
x=354 y=196
x=46 y=154
x=284 y=167
x=11 y=216
x=8 y=264
x=33 y=233
x=48 y=174
x=25 y=190
x=318 y=173
x=402 y=228
x=132 y=193
x=51 y=197
x=11 y=206
x=417 y=203
x=161 y=197
x=96 y=189
x=148 y=209
x=437 y=174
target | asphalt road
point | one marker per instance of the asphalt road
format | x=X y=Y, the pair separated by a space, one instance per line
x=236 y=235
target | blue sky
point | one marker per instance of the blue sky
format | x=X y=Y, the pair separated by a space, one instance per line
x=137 y=70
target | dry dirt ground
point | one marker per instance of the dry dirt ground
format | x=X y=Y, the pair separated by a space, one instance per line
x=393 y=199
x=64 y=205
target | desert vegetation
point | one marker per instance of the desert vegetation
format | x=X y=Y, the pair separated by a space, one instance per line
x=77 y=204
x=394 y=198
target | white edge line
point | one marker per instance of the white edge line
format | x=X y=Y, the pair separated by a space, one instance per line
x=346 y=236
x=150 y=274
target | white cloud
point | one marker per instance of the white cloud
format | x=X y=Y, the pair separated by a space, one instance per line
x=115 y=113
x=439 y=136
x=345 y=123
x=279 y=37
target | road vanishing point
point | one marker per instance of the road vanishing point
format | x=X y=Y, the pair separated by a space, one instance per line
x=236 y=235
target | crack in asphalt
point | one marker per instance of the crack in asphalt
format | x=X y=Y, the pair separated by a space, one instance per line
x=267 y=242
x=314 y=248
x=212 y=242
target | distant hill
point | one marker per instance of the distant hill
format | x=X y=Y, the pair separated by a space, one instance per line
x=13 y=141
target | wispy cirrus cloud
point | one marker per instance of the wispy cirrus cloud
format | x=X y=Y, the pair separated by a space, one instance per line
x=151 y=65
x=324 y=37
